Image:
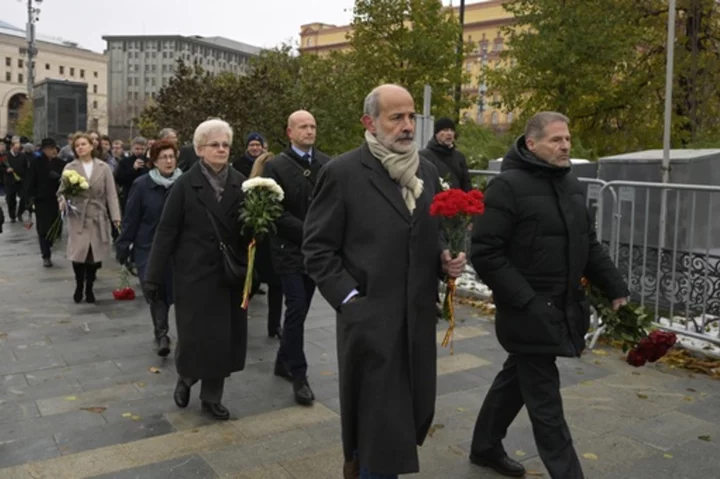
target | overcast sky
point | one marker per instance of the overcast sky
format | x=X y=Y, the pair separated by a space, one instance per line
x=263 y=23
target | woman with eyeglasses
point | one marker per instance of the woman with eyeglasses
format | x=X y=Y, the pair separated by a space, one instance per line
x=140 y=220
x=201 y=216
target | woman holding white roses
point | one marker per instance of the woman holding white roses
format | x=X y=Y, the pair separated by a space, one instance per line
x=89 y=236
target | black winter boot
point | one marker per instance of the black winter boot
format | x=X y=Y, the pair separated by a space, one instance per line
x=159 y=313
x=90 y=275
x=79 y=270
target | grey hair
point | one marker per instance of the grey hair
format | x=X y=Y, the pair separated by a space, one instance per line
x=28 y=147
x=371 y=106
x=165 y=132
x=535 y=127
x=208 y=127
x=139 y=140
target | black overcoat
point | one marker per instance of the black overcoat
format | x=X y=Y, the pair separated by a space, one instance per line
x=532 y=246
x=298 y=182
x=211 y=325
x=42 y=182
x=360 y=234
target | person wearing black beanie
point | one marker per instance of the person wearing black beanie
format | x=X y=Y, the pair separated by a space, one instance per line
x=451 y=163
x=254 y=147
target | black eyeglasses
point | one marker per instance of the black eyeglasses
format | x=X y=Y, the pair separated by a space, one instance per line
x=216 y=145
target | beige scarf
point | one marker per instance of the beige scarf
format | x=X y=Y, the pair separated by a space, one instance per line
x=402 y=168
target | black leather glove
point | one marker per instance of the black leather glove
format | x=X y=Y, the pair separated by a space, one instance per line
x=151 y=291
x=122 y=256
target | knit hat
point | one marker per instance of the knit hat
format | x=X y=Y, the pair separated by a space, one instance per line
x=444 y=124
x=47 y=143
x=254 y=136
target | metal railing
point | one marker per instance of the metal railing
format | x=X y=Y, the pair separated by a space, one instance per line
x=664 y=240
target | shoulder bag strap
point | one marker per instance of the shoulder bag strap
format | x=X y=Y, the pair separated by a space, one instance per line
x=217 y=231
x=305 y=171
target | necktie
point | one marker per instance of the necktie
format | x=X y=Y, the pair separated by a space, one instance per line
x=306 y=159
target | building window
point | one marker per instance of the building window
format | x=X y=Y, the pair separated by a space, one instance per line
x=20 y=63
x=129 y=81
x=510 y=117
x=21 y=79
x=62 y=70
x=72 y=72
x=94 y=88
x=47 y=66
x=494 y=118
x=82 y=73
x=95 y=74
x=8 y=61
x=8 y=76
x=95 y=104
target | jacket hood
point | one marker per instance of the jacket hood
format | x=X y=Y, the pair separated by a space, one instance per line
x=520 y=158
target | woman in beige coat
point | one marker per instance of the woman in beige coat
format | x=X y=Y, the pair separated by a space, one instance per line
x=89 y=236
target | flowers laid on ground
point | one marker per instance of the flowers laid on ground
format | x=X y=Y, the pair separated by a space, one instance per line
x=124 y=291
x=455 y=208
x=262 y=206
x=632 y=327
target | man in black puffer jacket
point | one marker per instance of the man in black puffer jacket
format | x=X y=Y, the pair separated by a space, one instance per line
x=532 y=246
x=450 y=163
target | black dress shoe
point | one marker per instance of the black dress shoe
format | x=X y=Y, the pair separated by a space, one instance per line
x=182 y=394
x=303 y=394
x=47 y=263
x=502 y=464
x=282 y=371
x=275 y=334
x=216 y=410
x=163 y=346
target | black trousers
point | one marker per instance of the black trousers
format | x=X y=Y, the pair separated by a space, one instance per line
x=532 y=381
x=298 y=290
x=274 y=300
x=211 y=389
x=12 y=192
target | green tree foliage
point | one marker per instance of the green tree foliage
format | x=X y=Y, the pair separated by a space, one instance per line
x=603 y=65
x=481 y=144
x=24 y=126
x=409 y=42
x=384 y=48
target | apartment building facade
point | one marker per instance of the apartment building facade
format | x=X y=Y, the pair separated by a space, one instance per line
x=139 y=66
x=55 y=59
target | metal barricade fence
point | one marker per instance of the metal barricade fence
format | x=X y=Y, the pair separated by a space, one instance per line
x=664 y=240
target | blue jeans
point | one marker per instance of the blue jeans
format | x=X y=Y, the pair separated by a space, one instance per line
x=366 y=474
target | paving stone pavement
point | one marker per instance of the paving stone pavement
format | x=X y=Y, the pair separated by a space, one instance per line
x=78 y=398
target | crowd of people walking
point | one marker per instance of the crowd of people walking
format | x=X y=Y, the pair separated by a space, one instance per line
x=358 y=229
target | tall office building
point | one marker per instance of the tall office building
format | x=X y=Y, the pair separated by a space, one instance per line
x=139 y=66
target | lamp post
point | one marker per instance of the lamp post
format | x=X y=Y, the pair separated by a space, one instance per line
x=461 y=43
x=33 y=16
x=482 y=88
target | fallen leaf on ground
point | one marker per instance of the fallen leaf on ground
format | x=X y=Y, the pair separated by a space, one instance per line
x=642 y=396
x=434 y=428
x=155 y=370
x=461 y=409
x=96 y=409
x=136 y=418
x=689 y=398
x=3 y=335
x=691 y=390
x=591 y=456
x=597 y=362
x=600 y=352
x=635 y=373
x=698 y=363
x=140 y=385
x=520 y=453
x=327 y=373
x=64 y=321
x=70 y=398
x=126 y=414
x=705 y=437
x=667 y=456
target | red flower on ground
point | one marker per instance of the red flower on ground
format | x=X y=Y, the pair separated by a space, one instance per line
x=636 y=358
x=124 y=294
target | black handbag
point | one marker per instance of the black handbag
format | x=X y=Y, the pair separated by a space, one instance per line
x=235 y=270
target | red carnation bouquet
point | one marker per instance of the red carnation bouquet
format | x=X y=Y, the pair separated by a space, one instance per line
x=455 y=208
x=651 y=348
x=124 y=291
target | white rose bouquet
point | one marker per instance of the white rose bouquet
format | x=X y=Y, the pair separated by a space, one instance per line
x=262 y=206
x=72 y=184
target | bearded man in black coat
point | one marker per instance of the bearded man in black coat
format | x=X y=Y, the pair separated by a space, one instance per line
x=532 y=246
